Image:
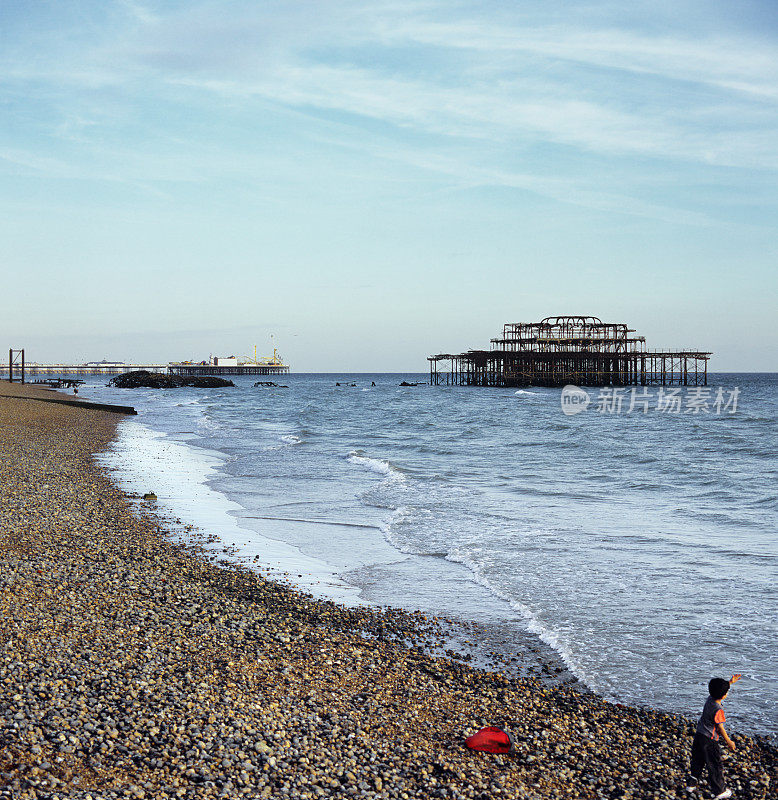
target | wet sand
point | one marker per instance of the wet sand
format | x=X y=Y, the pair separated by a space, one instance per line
x=132 y=666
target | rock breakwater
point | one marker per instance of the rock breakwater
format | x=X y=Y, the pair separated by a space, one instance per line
x=159 y=380
x=133 y=667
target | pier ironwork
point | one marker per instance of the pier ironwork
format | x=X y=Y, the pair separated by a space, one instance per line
x=115 y=368
x=87 y=369
x=580 y=350
x=230 y=369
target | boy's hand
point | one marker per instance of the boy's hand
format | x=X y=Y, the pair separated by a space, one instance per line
x=735 y=678
x=731 y=746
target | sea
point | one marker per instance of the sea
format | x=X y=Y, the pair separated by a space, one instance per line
x=630 y=536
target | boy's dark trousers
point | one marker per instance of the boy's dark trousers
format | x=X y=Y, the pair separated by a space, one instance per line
x=707 y=753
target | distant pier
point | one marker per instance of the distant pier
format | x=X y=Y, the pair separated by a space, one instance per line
x=579 y=350
x=96 y=368
x=228 y=369
x=21 y=369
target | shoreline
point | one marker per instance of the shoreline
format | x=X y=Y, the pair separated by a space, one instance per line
x=180 y=473
x=134 y=667
x=142 y=458
x=521 y=535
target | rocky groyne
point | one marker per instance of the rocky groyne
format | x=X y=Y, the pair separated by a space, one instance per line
x=159 y=380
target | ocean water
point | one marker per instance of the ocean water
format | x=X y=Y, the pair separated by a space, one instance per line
x=639 y=547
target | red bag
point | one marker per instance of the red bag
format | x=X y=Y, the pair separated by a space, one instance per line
x=490 y=740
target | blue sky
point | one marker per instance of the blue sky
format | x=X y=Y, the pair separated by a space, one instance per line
x=372 y=182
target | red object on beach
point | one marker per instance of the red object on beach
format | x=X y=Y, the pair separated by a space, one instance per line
x=490 y=740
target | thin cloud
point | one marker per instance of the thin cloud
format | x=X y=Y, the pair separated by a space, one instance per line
x=140 y=13
x=499 y=113
x=424 y=70
x=734 y=63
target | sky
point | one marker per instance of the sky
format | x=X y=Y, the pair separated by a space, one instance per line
x=364 y=183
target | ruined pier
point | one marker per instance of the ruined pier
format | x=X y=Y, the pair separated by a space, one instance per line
x=579 y=350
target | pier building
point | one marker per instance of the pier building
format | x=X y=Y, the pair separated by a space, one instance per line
x=232 y=365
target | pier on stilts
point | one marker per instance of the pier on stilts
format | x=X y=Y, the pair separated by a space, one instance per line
x=579 y=350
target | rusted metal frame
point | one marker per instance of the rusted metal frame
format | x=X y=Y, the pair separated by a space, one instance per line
x=16 y=359
x=616 y=363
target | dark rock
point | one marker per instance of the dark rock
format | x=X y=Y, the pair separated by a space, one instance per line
x=159 y=380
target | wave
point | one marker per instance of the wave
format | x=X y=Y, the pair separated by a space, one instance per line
x=283 y=441
x=398 y=515
x=144 y=459
x=207 y=425
x=521 y=392
x=377 y=465
x=551 y=637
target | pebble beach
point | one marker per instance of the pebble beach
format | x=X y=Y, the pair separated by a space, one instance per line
x=133 y=666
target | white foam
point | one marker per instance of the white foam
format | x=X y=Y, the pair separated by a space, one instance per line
x=398 y=515
x=553 y=638
x=375 y=465
x=522 y=392
x=145 y=460
x=283 y=441
x=206 y=425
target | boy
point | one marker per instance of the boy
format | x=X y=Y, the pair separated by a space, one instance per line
x=705 y=748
